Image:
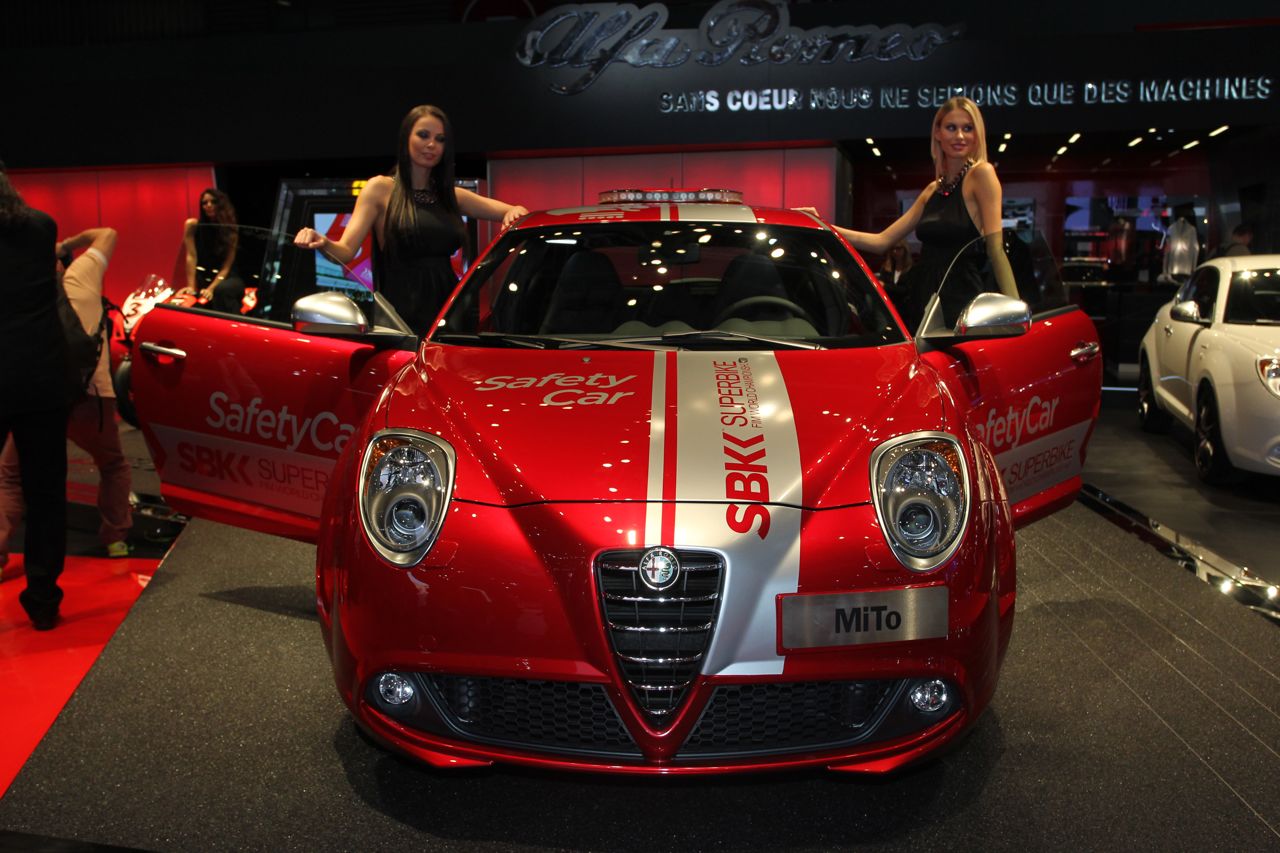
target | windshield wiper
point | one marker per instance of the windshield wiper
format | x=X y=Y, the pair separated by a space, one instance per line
x=724 y=334
x=548 y=341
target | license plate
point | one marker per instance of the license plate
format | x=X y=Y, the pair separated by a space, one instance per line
x=856 y=618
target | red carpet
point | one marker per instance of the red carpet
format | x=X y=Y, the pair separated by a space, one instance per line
x=39 y=670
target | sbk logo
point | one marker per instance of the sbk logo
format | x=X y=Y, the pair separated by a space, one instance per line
x=746 y=479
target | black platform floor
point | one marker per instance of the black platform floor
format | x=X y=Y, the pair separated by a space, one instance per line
x=1156 y=475
x=1138 y=709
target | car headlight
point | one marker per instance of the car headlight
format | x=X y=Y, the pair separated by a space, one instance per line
x=1269 y=371
x=405 y=486
x=919 y=484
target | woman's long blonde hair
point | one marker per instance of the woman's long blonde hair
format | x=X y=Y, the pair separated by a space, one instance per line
x=959 y=102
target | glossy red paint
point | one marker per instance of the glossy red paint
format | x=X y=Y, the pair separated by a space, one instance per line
x=145 y=204
x=245 y=425
x=496 y=411
x=564 y=454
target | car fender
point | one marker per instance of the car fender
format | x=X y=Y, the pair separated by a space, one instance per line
x=1150 y=349
x=1224 y=364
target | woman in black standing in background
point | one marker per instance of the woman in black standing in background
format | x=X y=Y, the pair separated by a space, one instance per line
x=35 y=389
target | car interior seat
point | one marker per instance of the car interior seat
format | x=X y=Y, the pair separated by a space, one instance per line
x=587 y=298
x=747 y=277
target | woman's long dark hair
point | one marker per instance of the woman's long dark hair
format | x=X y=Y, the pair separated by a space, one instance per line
x=225 y=211
x=12 y=208
x=224 y=214
x=402 y=215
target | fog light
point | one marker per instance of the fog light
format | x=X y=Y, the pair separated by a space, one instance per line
x=394 y=689
x=929 y=696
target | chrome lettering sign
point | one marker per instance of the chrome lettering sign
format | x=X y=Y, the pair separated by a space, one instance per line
x=593 y=36
x=858 y=618
x=659 y=568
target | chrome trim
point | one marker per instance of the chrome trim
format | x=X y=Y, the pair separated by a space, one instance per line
x=328 y=313
x=994 y=315
x=636 y=629
x=405 y=559
x=657 y=688
x=156 y=349
x=921 y=564
x=1086 y=352
x=627 y=567
x=669 y=599
x=636 y=659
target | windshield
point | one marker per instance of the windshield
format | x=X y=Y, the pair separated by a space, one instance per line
x=722 y=285
x=1254 y=297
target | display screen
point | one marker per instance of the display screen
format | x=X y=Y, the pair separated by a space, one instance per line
x=356 y=276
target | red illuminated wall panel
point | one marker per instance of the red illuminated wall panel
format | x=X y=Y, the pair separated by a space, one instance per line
x=613 y=172
x=768 y=178
x=146 y=205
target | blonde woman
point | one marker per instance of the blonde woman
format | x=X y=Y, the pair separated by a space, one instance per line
x=962 y=203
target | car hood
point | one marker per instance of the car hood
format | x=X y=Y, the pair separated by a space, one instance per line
x=1262 y=340
x=790 y=427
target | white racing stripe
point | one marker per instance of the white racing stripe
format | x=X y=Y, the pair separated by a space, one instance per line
x=657 y=441
x=737 y=453
x=698 y=212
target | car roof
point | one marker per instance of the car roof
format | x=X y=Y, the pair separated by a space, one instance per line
x=1234 y=263
x=677 y=212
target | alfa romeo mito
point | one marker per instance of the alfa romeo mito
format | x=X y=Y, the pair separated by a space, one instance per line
x=668 y=488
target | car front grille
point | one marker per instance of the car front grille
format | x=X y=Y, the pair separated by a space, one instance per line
x=554 y=715
x=659 y=638
x=747 y=719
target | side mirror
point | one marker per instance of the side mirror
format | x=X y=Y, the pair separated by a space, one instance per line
x=328 y=314
x=993 y=315
x=1187 y=312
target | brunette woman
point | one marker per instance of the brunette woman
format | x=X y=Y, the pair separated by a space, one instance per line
x=416 y=216
x=211 y=242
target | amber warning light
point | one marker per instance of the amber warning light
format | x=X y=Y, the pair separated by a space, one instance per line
x=670 y=196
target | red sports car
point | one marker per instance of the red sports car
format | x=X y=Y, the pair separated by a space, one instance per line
x=668 y=488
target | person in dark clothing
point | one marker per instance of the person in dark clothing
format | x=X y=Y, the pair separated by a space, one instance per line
x=1241 y=237
x=211 y=242
x=416 y=216
x=35 y=393
x=960 y=205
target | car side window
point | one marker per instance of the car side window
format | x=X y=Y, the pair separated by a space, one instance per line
x=1202 y=289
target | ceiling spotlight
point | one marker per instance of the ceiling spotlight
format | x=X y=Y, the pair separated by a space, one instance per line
x=1003 y=146
x=1219 y=130
x=875 y=150
x=1008 y=136
x=1062 y=150
x=1192 y=144
x=1135 y=141
x=1074 y=138
x=870 y=141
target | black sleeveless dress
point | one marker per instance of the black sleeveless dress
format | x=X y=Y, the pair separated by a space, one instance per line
x=945 y=228
x=413 y=270
x=213 y=243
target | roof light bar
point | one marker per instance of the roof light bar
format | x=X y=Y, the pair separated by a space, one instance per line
x=670 y=196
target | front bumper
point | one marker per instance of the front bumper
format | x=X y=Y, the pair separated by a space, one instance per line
x=504 y=642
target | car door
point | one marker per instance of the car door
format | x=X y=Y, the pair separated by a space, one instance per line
x=1032 y=398
x=1176 y=339
x=245 y=418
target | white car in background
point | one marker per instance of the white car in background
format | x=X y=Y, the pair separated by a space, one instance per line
x=1211 y=360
